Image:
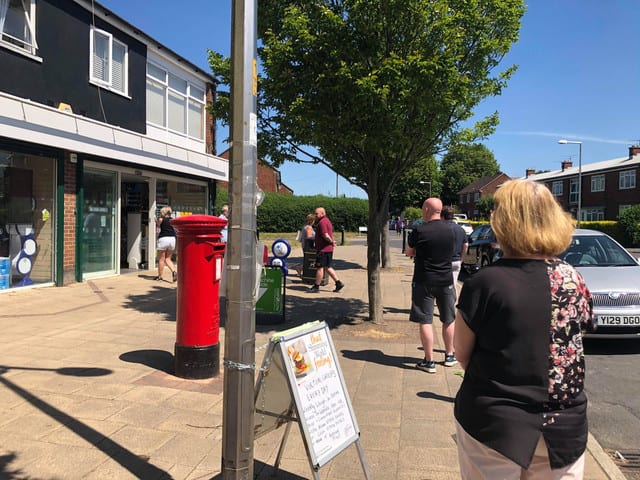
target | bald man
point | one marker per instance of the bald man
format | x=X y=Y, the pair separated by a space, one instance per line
x=432 y=244
x=324 y=247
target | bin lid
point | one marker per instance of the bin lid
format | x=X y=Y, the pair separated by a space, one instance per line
x=198 y=224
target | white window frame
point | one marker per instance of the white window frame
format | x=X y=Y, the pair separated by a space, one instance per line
x=597 y=183
x=592 y=214
x=557 y=188
x=476 y=196
x=627 y=179
x=10 y=42
x=622 y=208
x=108 y=83
x=573 y=190
x=188 y=97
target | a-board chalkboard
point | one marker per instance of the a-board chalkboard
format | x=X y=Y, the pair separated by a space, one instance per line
x=301 y=381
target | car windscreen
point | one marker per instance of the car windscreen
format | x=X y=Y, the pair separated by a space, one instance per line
x=596 y=250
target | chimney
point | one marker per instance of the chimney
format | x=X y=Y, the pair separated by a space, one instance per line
x=529 y=172
x=634 y=150
x=566 y=164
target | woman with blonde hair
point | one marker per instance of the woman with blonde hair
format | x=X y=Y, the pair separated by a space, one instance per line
x=521 y=411
x=166 y=243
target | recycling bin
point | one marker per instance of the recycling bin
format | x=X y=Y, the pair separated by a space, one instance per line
x=309 y=267
x=201 y=253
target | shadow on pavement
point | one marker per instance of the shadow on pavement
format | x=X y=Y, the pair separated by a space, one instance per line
x=263 y=471
x=156 y=359
x=435 y=396
x=377 y=356
x=160 y=301
x=138 y=467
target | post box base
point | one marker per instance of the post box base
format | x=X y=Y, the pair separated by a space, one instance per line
x=197 y=362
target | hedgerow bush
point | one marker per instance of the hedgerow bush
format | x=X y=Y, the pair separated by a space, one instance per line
x=630 y=224
x=287 y=213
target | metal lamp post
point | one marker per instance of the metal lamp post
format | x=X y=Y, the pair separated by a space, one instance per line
x=571 y=142
x=423 y=182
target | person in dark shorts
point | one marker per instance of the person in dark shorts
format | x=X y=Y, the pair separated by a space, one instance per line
x=432 y=243
x=324 y=247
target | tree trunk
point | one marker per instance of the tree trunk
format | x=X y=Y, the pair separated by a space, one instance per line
x=377 y=218
x=385 y=246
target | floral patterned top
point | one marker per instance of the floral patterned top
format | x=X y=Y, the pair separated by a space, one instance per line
x=526 y=373
x=571 y=312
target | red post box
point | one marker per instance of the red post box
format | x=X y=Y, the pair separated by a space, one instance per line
x=201 y=257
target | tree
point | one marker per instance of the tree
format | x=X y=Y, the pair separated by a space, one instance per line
x=462 y=165
x=630 y=221
x=371 y=88
x=485 y=205
x=409 y=192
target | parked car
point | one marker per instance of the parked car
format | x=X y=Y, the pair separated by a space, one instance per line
x=483 y=249
x=613 y=277
x=468 y=229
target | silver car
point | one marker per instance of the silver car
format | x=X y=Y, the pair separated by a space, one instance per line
x=613 y=277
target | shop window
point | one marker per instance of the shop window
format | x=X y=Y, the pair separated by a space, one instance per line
x=26 y=219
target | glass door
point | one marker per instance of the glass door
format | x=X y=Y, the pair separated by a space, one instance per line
x=99 y=223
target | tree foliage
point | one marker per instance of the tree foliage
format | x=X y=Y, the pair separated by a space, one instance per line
x=462 y=165
x=409 y=192
x=371 y=88
x=630 y=222
x=485 y=205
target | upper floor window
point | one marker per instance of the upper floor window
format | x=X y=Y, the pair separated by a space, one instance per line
x=468 y=197
x=174 y=103
x=109 y=61
x=556 y=189
x=573 y=190
x=597 y=183
x=476 y=196
x=627 y=179
x=18 y=25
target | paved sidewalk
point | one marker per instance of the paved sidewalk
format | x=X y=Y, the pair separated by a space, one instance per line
x=87 y=391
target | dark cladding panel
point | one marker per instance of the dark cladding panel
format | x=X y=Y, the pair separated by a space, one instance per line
x=62 y=33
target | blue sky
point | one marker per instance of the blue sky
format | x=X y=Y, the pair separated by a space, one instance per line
x=578 y=78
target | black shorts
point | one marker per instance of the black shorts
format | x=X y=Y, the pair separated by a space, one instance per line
x=324 y=259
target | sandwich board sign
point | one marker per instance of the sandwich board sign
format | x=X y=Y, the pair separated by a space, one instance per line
x=301 y=381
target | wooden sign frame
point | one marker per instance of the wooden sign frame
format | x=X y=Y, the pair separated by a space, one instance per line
x=301 y=381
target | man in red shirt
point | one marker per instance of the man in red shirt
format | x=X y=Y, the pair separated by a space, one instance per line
x=324 y=248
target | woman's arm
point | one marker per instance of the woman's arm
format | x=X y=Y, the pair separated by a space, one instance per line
x=463 y=341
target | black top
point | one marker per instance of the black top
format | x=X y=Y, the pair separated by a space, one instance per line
x=526 y=372
x=166 y=230
x=459 y=239
x=433 y=242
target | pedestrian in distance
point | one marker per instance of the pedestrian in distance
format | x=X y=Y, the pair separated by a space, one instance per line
x=224 y=214
x=399 y=226
x=460 y=243
x=307 y=237
x=166 y=243
x=431 y=244
x=325 y=244
x=521 y=411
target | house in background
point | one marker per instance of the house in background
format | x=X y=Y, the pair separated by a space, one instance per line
x=269 y=178
x=608 y=187
x=469 y=196
x=100 y=126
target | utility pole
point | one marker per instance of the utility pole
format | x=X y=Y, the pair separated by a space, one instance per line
x=239 y=351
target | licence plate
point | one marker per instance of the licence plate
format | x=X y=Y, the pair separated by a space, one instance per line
x=622 y=320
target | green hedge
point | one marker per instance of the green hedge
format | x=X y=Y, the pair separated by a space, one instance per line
x=287 y=213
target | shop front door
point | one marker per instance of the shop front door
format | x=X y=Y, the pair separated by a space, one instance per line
x=99 y=227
